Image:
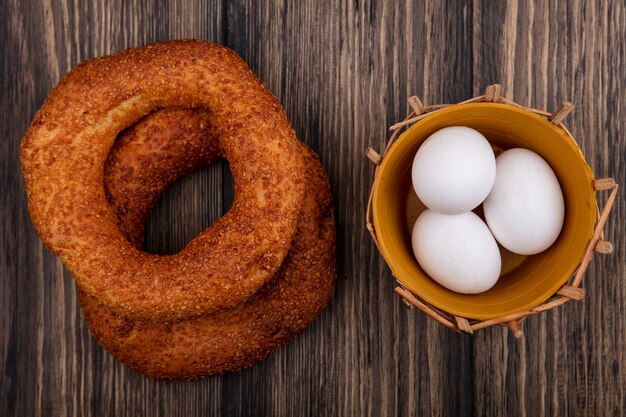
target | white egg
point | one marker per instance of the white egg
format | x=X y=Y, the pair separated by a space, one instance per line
x=453 y=170
x=458 y=251
x=525 y=208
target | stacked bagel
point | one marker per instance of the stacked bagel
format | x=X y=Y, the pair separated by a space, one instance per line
x=110 y=138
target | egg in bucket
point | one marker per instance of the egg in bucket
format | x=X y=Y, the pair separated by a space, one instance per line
x=528 y=284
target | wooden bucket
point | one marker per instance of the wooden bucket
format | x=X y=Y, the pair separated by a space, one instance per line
x=528 y=284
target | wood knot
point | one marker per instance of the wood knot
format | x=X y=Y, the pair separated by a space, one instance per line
x=401 y=291
x=561 y=112
x=604 y=247
x=515 y=329
x=575 y=293
x=492 y=93
x=463 y=324
x=602 y=184
x=417 y=105
x=373 y=156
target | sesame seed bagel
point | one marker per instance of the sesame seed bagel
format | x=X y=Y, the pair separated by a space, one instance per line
x=141 y=165
x=151 y=155
x=63 y=157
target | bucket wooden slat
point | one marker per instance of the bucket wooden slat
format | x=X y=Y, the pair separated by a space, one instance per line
x=569 y=291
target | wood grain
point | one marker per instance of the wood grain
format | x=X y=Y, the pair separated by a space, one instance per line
x=343 y=71
x=572 y=359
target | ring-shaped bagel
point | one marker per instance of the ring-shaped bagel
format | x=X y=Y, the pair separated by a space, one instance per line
x=141 y=165
x=150 y=156
x=63 y=155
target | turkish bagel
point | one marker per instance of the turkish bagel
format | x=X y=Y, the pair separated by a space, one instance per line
x=150 y=156
x=63 y=156
x=141 y=165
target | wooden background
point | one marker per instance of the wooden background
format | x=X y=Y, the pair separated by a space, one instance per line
x=343 y=71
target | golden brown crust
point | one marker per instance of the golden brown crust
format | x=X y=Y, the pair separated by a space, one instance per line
x=202 y=346
x=63 y=155
x=151 y=155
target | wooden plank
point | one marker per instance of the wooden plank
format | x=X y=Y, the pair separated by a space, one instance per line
x=571 y=360
x=52 y=366
x=344 y=73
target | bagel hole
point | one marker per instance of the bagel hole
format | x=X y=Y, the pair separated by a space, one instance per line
x=187 y=207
